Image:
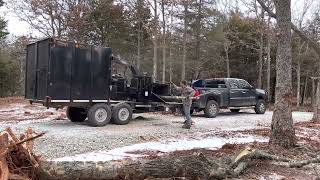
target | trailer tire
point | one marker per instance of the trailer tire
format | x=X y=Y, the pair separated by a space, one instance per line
x=76 y=114
x=99 y=115
x=212 y=109
x=121 y=114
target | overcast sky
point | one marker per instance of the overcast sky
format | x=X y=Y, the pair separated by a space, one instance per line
x=17 y=27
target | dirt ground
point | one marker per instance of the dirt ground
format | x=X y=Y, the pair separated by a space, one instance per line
x=160 y=134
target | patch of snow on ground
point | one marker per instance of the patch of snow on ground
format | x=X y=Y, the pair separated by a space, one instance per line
x=160 y=147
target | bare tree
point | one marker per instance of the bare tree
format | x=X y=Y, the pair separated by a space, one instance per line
x=311 y=44
x=316 y=113
x=226 y=46
x=164 y=45
x=299 y=72
x=184 y=56
x=155 y=41
x=169 y=32
x=139 y=14
x=198 y=38
x=45 y=16
x=260 y=43
x=306 y=6
x=268 y=49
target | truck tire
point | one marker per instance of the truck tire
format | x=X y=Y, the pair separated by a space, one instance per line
x=76 y=114
x=121 y=114
x=99 y=115
x=260 y=107
x=235 y=110
x=212 y=109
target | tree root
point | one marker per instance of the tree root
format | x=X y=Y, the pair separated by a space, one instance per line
x=17 y=160
x=240 y=164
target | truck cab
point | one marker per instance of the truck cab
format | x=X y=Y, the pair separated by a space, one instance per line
x=231 y=93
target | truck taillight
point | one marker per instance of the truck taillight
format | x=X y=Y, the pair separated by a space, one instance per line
x=197 y=93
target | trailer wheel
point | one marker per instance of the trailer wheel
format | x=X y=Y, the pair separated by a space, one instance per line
x=76 y=114
x=99 y=115
x=121 y=114
x=212 y=109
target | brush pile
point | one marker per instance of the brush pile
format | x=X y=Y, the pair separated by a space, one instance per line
x=17 y=160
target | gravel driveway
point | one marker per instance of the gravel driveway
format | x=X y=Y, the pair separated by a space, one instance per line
x=64 y=138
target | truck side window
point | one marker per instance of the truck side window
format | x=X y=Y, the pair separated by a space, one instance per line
x=215 y=84
x=233 y=84
x=244 y=84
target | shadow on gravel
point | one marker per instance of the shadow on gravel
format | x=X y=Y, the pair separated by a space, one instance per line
x=227 y=114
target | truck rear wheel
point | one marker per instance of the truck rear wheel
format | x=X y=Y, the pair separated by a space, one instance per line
x=76 y=114
x=212 y=109
x=260 y=107
x=121 y=114
x=99 y=115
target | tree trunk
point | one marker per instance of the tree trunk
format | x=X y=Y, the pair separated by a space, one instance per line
x=316 y=96
x=260 y=62
x=313 y=92
x=298 y=82
x=139 y=9
x=170 y=63
x=198 y=40
x=282 y=131
x=183 y=72
x=299 y=73
x=261 y=44
x=305 y=92
x=139 y=43
x=269 y=66
x=155 y=43
x=226 y=50
x=163 y=44
x=170 y=43
x=316 y=113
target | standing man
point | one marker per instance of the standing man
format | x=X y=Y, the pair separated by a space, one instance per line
x=187 y=92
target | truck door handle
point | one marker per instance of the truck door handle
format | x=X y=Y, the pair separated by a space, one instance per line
x=243 y=92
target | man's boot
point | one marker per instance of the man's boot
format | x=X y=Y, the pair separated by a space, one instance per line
x=187 y=125
x=192 y=122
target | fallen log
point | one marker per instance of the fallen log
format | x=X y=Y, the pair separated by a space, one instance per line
x=193 y=166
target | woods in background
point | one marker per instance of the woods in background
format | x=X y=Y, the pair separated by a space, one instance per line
x=169 y=39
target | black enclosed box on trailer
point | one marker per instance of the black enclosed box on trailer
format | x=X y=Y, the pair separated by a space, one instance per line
x=64 y=71
x=60 y=74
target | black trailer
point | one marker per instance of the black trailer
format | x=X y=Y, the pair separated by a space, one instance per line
x=67 y=74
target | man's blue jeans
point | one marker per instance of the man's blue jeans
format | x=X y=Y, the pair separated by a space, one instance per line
x=187 y=114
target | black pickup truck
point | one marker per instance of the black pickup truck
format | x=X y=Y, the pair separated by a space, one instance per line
x=222 y=93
